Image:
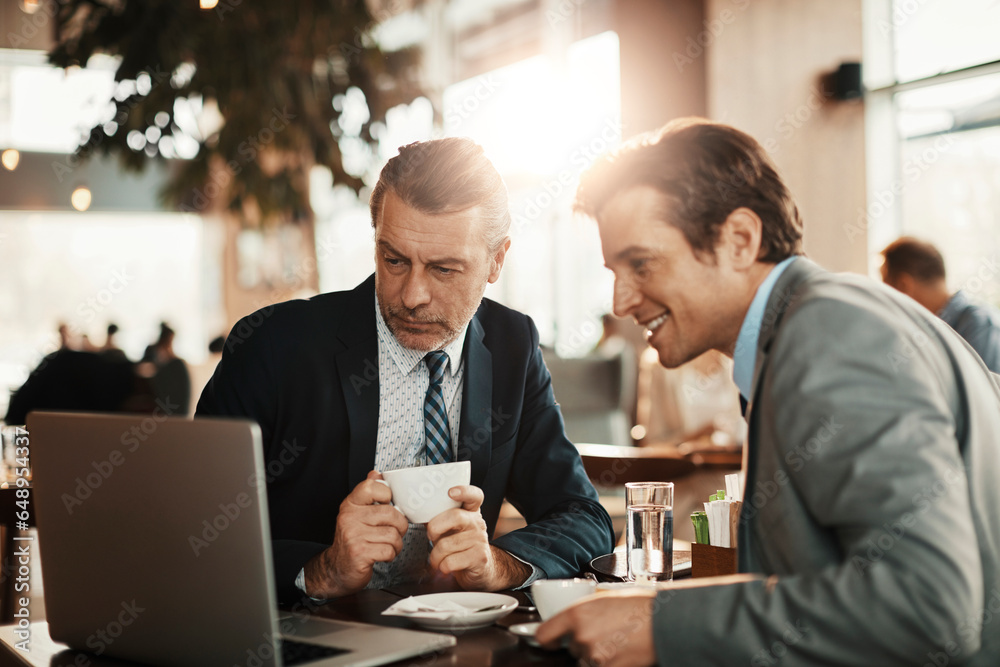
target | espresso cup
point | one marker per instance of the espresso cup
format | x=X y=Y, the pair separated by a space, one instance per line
x=551 y=596
x=422 y=493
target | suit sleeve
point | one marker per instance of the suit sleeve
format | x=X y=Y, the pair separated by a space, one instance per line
x=567 y=526
x=889 y=492
x=247 y=383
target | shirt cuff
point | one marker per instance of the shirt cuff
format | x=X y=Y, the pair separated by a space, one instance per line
x=300 y=583
x=536 y=573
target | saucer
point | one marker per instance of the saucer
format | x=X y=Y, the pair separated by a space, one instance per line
x=527 y=632
x=469 y=599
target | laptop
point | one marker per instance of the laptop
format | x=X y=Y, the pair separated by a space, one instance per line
x=155 y=547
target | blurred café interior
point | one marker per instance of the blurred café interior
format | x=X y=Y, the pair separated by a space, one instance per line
x=145 y=209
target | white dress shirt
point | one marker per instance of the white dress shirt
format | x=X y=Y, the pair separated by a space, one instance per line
x=402 y=386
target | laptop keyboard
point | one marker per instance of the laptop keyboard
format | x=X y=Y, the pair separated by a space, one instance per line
x=300 y=653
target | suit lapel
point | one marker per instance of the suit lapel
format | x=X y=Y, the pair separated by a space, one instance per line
x=782 y=296
x=357 y=367
x=475 y=436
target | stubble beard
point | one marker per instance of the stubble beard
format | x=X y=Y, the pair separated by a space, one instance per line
x=431 y=340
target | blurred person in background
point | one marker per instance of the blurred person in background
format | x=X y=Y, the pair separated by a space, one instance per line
x=110 y=348
x=79 y=380
x=870 y=525
x=168 y=374
x=86 y=345
x=202 y=373
x=916 y=268
x=215 y=347
x=65 y=337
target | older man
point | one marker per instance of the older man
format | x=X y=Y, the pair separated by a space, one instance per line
x=871 y=521
x=340 y=385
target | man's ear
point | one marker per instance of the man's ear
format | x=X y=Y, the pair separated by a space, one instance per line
x=498 y=260
x=906 y=284
x=740 y=238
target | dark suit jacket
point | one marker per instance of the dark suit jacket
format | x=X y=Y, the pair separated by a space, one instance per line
x=307 y=373
x=872 y=504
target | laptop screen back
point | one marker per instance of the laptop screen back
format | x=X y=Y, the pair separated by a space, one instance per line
x=153 y=537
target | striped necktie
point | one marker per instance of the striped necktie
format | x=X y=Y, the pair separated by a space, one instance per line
x=436 y=432
x=410 y=564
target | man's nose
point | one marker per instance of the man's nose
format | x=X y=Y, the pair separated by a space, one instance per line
x=416 y=291
x=626 y=298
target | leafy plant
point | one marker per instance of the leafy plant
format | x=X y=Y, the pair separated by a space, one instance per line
x=277 y=73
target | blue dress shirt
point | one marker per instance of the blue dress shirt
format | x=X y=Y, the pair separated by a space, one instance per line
x=978 y=324
x=745 y=353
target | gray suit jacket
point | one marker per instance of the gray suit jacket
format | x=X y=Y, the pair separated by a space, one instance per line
x=871 y=517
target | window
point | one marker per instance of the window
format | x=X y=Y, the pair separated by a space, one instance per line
x=542 y=121
x=934 y=133
x=89 y=269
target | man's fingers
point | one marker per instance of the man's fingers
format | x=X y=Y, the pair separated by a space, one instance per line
x=470 y=496
x=382 y=515
x=609 y=629
x=375 y=545
x=459 y=552
x=449 y=563
x=361 y=555
x=454 y=521
x=549 y=634
x=372 y=490
x=384 y=535
x=361 y=516
x=383 y=553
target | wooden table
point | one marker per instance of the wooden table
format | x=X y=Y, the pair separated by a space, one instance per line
x=493 y=645
x=610 y=465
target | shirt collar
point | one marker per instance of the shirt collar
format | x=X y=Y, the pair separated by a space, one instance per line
x=405 y=359
x=745 y=353
x=957 y=301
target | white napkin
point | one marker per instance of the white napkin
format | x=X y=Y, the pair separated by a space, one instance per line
x=718 y=522
x=416 y=608
x=734 y=487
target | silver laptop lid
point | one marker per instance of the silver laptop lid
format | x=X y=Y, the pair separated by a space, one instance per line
x=153 y=536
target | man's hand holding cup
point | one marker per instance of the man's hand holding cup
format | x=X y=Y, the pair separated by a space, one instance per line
x=369 y=530
x=441 y=496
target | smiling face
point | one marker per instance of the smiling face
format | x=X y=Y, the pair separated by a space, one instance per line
x=431 y=271
x=689 y=304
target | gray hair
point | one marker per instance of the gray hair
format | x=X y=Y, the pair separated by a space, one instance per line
x=446 y=176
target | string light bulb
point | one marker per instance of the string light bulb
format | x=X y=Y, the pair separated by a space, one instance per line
x=10 y=158
x=81 y=197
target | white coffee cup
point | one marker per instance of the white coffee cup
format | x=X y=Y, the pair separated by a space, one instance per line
x=422 y=493
x=551 y=596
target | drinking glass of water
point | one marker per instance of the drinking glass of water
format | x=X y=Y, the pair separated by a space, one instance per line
x=650 y=531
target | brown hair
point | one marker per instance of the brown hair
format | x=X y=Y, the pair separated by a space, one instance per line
x=446 y=176
x=917 y=258
x=707 y=170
